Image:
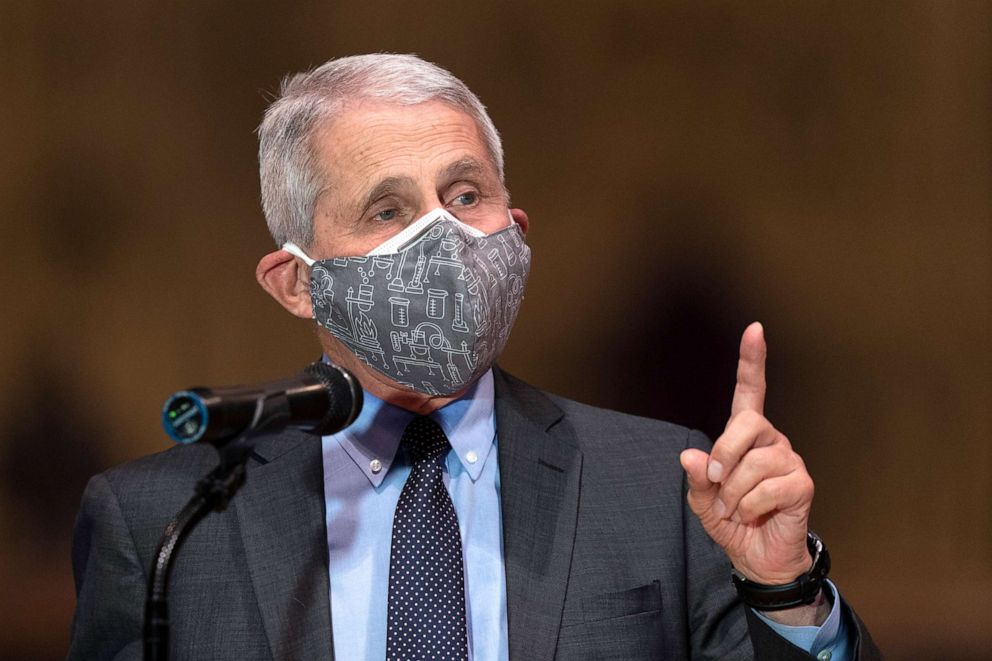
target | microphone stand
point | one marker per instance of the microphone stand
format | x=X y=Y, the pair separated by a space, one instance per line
x=213 y=492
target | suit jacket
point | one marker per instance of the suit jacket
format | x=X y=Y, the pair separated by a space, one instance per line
x=603 y=558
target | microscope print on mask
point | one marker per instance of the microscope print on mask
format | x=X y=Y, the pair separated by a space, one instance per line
x=432 y=307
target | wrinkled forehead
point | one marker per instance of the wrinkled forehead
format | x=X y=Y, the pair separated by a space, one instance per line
x=370 y=140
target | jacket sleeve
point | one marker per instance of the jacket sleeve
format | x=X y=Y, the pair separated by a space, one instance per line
x=110 y=581
x=769 y=644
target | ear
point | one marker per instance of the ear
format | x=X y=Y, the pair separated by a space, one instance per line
x=519 y=216
x=287 y=280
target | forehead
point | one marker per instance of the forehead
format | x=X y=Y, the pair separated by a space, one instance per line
x=372 y=140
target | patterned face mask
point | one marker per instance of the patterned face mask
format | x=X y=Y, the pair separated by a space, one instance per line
x=432 y=307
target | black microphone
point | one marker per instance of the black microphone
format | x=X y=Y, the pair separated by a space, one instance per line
x=322 y=399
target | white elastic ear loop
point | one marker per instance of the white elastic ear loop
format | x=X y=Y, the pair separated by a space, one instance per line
x=296 y=251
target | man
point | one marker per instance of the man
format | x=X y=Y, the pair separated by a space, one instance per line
x=550 y=530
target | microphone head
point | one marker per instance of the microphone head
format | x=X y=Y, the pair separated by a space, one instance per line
x=344 y=393
x=185 y=416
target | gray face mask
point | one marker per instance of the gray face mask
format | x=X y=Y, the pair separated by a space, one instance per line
x=432 y=307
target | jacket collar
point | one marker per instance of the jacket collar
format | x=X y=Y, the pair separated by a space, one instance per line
x=540 y=473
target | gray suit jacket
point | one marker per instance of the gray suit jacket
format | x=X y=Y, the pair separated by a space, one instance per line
x=603 y=558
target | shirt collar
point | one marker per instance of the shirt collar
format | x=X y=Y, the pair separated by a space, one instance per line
x=373 y=439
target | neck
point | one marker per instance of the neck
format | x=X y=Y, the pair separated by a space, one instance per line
x=381 y=386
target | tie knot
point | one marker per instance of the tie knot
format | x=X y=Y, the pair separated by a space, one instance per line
x=424 y=439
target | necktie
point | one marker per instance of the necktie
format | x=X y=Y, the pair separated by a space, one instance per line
x=426 y=577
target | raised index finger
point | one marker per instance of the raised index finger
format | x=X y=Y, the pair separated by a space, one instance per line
x=749 y=394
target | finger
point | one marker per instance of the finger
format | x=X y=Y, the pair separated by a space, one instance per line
x=702 y=492
x=784 y=493
x=757 y=465
x=745 y=430
x=749 y=394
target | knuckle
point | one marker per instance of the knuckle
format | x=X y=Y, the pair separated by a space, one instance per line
x=786 y=456
x=759 y=462
x=734 y=420
x=796 y=491
x=757 y=503
x=798 y=466
x=768 y=461
x=730 y=496
x=783 y=440
x=751 y=418
x=773 y=490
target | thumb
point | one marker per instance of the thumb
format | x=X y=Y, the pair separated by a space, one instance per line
x=702 y=492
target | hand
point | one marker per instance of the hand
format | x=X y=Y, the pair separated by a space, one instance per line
x=752 y=492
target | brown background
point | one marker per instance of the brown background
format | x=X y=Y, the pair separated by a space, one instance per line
x=687 y=167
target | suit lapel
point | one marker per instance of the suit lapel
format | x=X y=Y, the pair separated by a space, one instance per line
x=540 y=470
x=281 y=515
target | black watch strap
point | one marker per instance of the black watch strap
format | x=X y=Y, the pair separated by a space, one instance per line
x=801 y=591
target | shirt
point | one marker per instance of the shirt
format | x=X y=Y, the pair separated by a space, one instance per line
x=364 y=473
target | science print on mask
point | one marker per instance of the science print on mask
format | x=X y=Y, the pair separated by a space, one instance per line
x=430 y=308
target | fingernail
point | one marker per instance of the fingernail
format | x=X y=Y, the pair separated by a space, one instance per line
x=719 y=508
x=715 y=471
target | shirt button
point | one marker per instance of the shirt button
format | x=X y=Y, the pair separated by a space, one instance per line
x=375 y=465
x=471 y=457
x=824 y=655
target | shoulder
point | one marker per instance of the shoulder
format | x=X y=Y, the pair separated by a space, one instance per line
x=604 y=434
x=161 y=481
x=607 y=422
x=152 y=471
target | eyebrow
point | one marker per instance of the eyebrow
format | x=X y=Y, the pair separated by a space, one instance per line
x=463 y=168
x=386 y=187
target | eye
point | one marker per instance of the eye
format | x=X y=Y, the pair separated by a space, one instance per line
x=466 y=199
x=387 y=215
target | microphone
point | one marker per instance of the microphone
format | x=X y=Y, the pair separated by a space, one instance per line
x=322 y=399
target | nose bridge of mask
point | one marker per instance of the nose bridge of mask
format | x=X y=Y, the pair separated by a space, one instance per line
x=418 y=228
x=408 y=235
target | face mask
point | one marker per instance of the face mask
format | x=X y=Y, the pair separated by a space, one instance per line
x=432 y=307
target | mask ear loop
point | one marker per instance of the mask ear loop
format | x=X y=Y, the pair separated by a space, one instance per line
x=296 y=251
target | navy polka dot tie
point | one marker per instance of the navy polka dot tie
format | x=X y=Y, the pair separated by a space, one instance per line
x=426 y=575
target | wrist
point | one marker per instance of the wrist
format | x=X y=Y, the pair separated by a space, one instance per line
x=802 y=591
x=806 y=615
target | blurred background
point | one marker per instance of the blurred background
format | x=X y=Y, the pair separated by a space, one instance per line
x=688 y=168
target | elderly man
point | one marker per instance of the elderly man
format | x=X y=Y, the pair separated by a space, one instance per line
x=465 y=514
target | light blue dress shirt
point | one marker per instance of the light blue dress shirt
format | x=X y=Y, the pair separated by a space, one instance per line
x=364 y=473
x=827 y=642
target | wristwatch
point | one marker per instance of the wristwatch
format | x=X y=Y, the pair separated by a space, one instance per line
x=801 y=591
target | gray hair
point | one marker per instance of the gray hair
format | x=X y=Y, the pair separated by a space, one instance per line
x=291 y=176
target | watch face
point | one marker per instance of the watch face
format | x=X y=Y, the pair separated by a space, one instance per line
x=821 y=559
